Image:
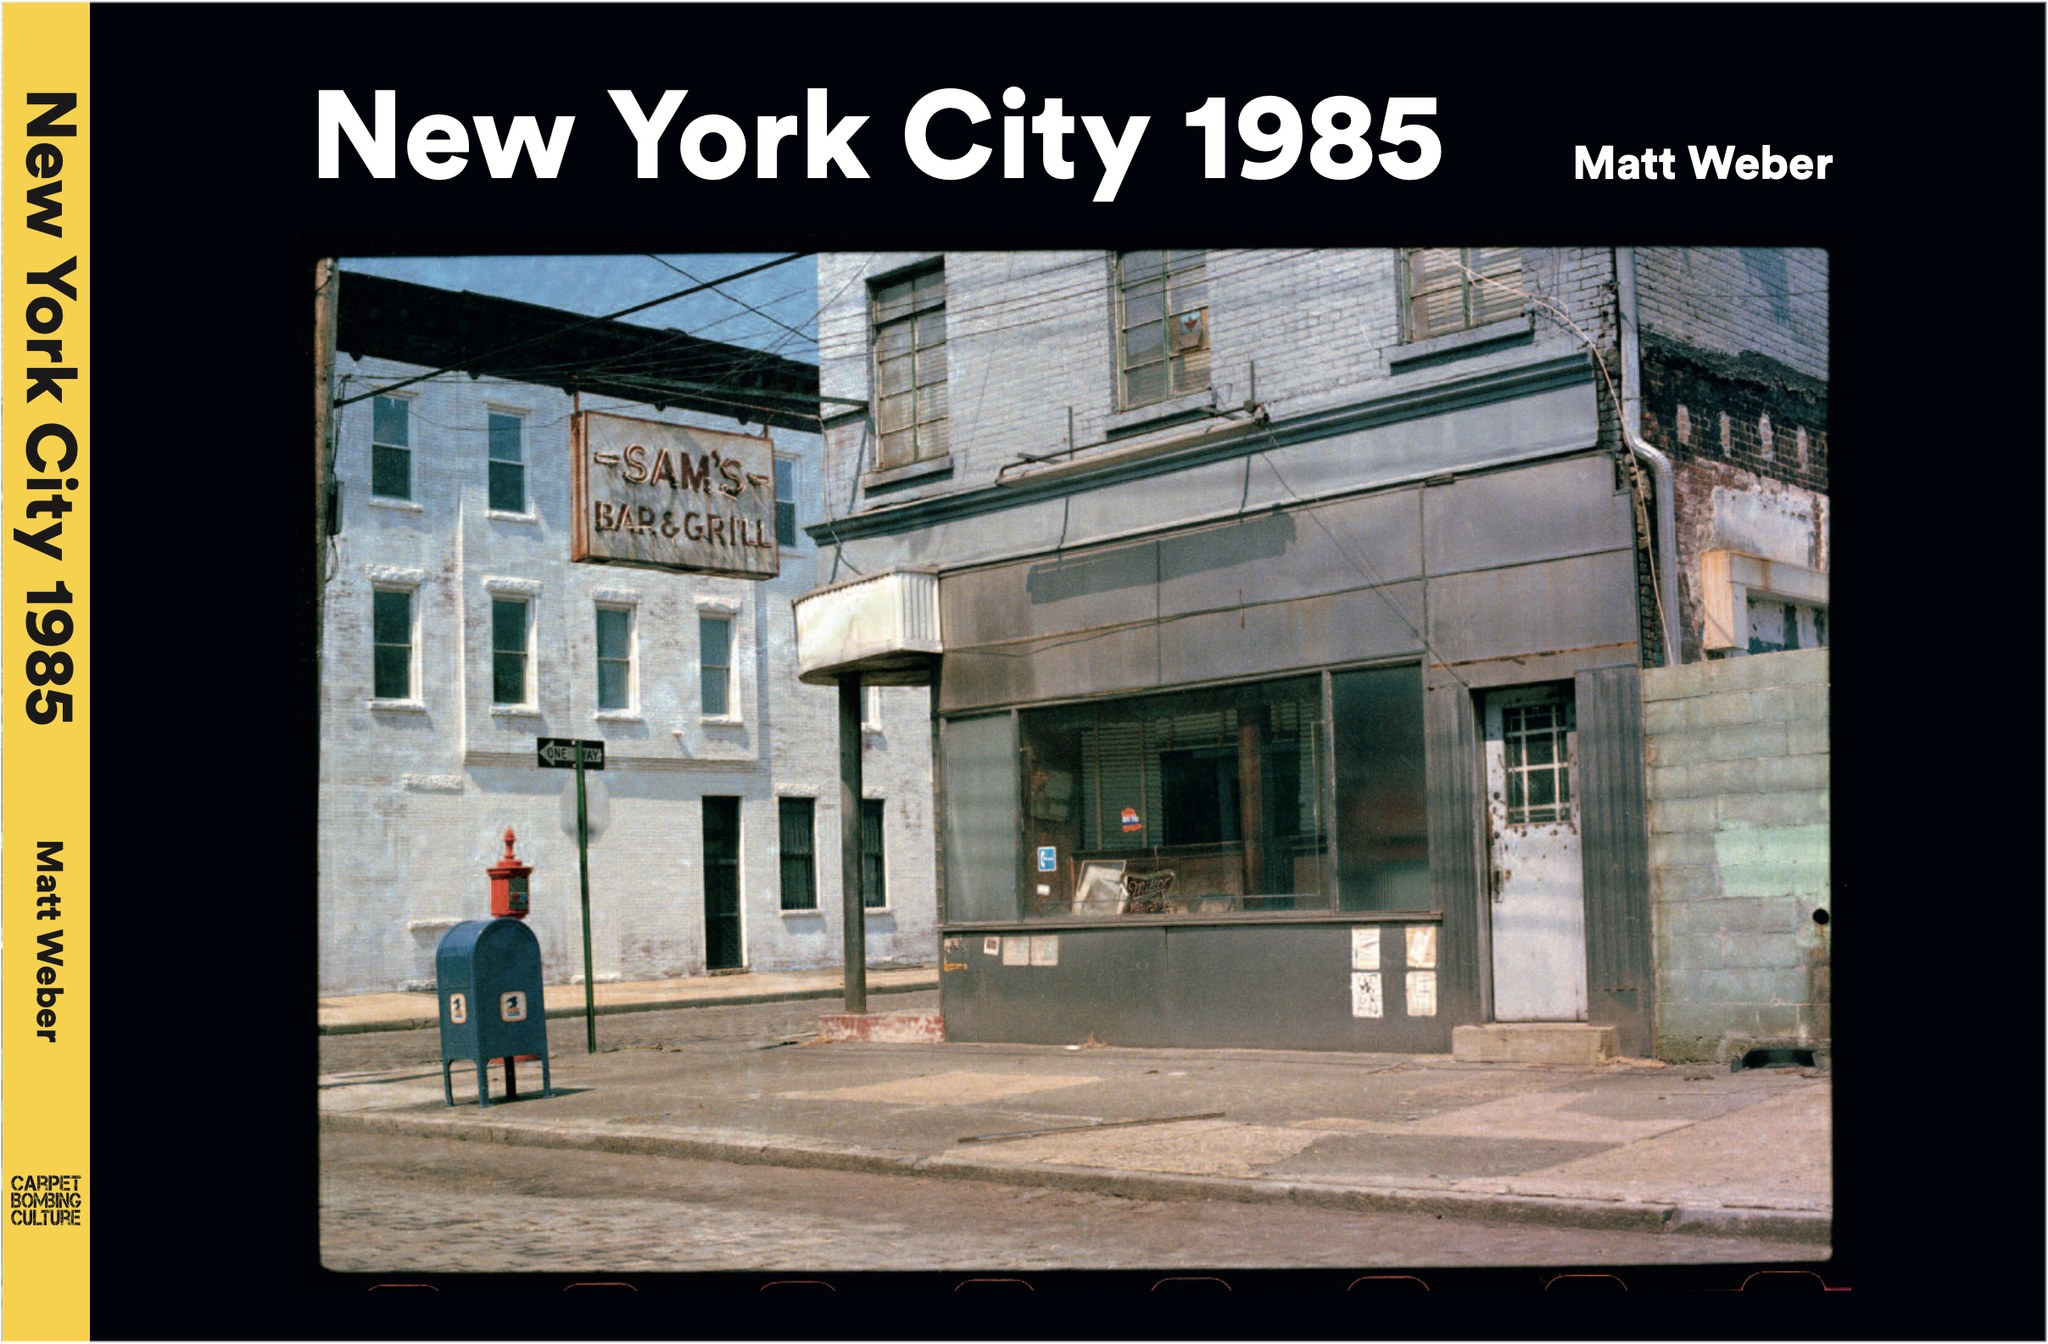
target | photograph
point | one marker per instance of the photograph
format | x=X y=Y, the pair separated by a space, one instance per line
x=1342 y=731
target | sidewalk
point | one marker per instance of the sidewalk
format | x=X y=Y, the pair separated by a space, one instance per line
x=404 y=1012
x=1629 y=1145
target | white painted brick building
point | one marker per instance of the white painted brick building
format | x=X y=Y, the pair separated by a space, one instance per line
x=417 y=789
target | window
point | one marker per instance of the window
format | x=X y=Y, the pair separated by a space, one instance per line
x=909 y=317
x=799 y=858
x=1447 y=289
x=1195 y=803
x=507 y=462
x=615 y=658
x=873 y=895
x=1538 y=763
x=391 y=447
x=1776 y=625
x=509 y=651
x=714 y=657
x=785 y=502
x=391 y=641
x=1162 y=324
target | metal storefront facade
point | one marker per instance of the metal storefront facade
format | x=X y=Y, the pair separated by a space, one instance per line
x=1519 y=575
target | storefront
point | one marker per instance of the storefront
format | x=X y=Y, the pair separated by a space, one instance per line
x=1338 y=776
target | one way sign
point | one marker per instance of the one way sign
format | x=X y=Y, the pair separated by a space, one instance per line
x=559 y=753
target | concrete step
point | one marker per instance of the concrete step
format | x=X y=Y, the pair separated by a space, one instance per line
x=1534 y=1043
x=908 y=1028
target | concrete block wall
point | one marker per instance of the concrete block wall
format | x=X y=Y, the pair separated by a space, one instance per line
x=1738 y=758
x=1031 y=339
x=413 y=799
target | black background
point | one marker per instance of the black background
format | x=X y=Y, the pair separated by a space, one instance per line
x=207 y=215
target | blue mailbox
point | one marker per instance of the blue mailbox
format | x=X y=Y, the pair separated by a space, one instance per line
x=491 y=1003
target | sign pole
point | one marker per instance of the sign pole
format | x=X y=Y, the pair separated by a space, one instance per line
x=583 y=873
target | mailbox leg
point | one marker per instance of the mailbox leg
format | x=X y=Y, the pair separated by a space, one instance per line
x=483 y=1082
x=447 y=1088
x=511 y=1080
x=547 y=1082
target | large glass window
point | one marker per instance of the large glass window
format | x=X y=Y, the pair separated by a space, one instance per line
x=1382 y=802
x=1206 y=802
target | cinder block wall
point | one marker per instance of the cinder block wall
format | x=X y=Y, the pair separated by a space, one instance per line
x=1739 y=821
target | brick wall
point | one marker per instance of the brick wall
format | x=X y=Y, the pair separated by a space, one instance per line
x=1031 y=339
x=1737 y=754
x=1771 y=302
x=414 y=798
x=1734 y=378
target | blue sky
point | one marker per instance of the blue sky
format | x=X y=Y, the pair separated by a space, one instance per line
x=786 y=294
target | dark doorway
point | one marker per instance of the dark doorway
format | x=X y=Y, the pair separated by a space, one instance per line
x=722 y=884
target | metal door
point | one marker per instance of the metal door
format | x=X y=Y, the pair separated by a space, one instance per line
x=722 y=884
x=1537 y=881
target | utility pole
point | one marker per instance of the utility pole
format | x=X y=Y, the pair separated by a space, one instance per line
x=854 y=908
x=326 y=280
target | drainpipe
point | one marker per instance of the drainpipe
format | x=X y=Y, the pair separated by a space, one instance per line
x=1657 y=462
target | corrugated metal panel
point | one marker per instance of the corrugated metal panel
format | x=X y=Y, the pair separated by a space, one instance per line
x=1612 y=810
x=1456 y=859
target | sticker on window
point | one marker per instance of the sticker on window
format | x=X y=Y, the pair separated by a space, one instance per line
x=1131 y=821
x=1048 y=858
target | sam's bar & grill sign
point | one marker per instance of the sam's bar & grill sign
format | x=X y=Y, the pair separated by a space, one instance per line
x=673 y=497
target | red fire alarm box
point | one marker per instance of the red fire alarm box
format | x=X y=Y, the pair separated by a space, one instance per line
x=508 y=883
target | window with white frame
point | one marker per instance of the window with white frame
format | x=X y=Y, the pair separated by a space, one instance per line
x=391 y=447
x=714 y=660
x=785 y=502
x=511 y=659
x=1162 y=324
x=909 y=319
x=799 y=853
x=1449 y=289
x=392 y=643
x=614 y=658
x=507 y=461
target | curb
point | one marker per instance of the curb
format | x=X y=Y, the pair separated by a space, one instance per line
x=782 y=1151
x=649 y=1006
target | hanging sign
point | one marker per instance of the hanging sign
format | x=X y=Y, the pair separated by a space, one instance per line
x=664 y=496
